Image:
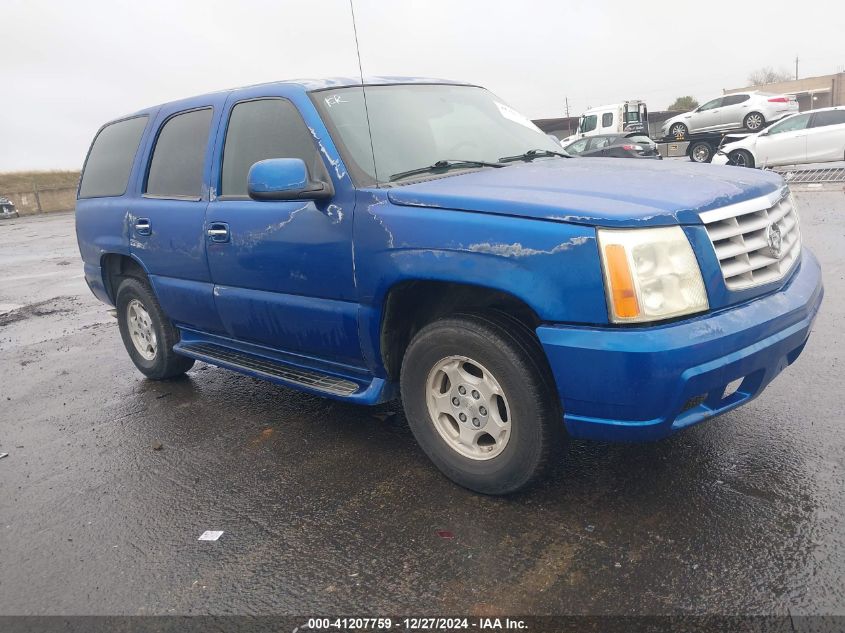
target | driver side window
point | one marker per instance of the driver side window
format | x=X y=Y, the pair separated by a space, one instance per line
x=577 y=147
x=261 y=129
x=790 y=125
x=588 y=123
x=715 y=103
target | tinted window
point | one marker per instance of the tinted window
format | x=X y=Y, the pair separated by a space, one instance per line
x=828 y=117
x=607 y=119
x=110 y=159
x=798 y=122
x=269 y=128
x=588 y=123
x=179 y=156
x=577 y=147
x=715 y=103
x=734 y=99
x=597 y=142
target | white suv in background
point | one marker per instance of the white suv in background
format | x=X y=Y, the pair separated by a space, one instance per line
x=815 y=136
x=749 y=110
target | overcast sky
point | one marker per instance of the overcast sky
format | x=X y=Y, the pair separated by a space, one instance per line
x=67 y=67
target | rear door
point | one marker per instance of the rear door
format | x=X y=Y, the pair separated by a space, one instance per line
x=784 y=143
x=283 y=277
x=166 y=219
x=826 y=136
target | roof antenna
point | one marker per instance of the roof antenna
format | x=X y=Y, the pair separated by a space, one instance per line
x=363 y=90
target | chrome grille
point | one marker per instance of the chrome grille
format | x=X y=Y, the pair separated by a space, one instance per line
x=740 y=234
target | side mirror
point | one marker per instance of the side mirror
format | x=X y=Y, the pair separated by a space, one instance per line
x=284 y=179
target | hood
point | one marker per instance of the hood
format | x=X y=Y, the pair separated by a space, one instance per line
x=678 y=117
x=746 y=142
x=594 y=191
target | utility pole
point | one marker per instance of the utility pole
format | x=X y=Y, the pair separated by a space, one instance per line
x=568 y=128
x=796 y=68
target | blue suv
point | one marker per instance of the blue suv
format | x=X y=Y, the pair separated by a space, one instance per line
x=422 y=238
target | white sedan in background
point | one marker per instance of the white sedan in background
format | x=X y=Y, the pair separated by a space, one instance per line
x=749 y=110
x=815 y=136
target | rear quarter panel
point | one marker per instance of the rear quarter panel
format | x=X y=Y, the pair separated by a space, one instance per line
x=102 y=225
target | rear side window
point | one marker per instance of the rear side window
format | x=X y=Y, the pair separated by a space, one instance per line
x=262 y=129
x=734 y=99
x=828 y=117
x=179 y=156
x=607 y=119
x=110 y=159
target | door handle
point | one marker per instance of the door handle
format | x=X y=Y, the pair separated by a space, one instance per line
x=218 y=232
x=143 y=227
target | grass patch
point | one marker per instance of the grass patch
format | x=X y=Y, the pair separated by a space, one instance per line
x=24 y=181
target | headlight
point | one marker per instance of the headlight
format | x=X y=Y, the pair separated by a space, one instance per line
x=650 y=274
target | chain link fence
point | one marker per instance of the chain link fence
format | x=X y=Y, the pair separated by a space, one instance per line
x=811 y=176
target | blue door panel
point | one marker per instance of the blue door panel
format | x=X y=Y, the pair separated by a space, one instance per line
x=303 y=324
x=188 y=302
x=173 y=255
x=293 y=247
x=285 y=278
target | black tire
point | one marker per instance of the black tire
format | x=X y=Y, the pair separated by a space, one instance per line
x=701 y=152
x=753 y=122
x=741 y=158
x=679 y=131
x=514 y=357
x=165 y=362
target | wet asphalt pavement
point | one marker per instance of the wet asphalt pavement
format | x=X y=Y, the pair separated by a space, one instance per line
x=331 y=508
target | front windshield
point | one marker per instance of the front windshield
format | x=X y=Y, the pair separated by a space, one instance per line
x=416 y=125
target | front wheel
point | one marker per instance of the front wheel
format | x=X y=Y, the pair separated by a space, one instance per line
x=741 y=158
x=481 y=402
x=753 y=121
x=679 y=131
x=147 y=333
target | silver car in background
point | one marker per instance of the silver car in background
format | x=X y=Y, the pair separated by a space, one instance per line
x=749 y=110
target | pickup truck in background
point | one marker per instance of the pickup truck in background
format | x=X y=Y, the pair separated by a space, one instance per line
x=423 y=238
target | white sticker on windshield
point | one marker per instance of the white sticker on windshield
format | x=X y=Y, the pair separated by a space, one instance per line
x=334 y=100
x=512 y=115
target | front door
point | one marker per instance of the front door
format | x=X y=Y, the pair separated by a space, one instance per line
x=282 y=270
x=784 y=143
x=706 y=117
x=166 y=219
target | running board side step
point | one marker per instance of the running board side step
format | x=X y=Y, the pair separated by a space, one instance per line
x=279 y=372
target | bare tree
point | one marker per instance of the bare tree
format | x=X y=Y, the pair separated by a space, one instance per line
x=684 y=104
x=768 y=75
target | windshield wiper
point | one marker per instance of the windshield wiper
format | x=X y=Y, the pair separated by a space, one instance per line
x=531 y=154
x=443 y=165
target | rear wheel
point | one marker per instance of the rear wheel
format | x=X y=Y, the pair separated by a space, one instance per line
x=741 y=158
x=679 y=131
x=147 y=333
x=480 y=401
x=753 y=121
x=701 y=152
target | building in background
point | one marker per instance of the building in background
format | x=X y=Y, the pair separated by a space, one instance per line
x=812 y=92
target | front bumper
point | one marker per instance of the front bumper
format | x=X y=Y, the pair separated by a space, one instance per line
x=719 y=158
x=645 y=383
